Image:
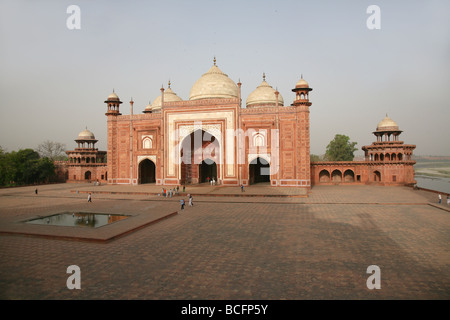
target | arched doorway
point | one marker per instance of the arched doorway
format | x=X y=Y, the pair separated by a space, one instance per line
x=324 y=176
x=147 y=171
x=200 y=158
x=208 y=169
x=259 y=171
x=87 y=175
x=336 y=176
x=349 y=176
x=376 y=176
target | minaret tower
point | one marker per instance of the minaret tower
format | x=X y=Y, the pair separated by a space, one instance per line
x=302 y=140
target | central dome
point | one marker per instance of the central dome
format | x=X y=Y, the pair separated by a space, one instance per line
x=214 y=84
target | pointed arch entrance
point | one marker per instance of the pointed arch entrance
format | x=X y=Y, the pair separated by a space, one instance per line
x=259 y=171
x=147 y=171
x=377 y=176
x=87 y=175
x=208 y=171
x=200 y=158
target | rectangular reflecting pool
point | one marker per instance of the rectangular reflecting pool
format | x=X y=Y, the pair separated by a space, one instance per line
x=79 y=219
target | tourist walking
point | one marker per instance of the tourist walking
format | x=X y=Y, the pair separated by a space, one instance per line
x=35 y=191
x=89 y=197
x=448 y=200
x=190 y=201
x=440 y=198
x=178 y=189
x=184 y=188
x=182 y=204
x=242 y=188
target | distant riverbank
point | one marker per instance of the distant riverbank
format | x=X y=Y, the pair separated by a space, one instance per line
x=433 y=173
x=433 y=183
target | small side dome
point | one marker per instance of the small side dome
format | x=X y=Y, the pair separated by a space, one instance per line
x=302 y=83
x=169 y=96
x=214 y=84
x=264 y=95
x=113 y=97
x=387 y=124
x=86 y=135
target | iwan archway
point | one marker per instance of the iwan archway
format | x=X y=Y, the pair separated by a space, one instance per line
x=200 y=158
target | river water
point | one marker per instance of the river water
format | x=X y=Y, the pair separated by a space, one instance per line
x=433 y=183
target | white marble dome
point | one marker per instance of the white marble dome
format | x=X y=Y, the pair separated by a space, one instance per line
x=214 y=84
x=113 y=97
x=264 y=94
x=387 y=124
x=302 y=83
x=86 y=135
x=169 y=96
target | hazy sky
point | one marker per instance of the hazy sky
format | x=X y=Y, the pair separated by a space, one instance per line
x=53 y=80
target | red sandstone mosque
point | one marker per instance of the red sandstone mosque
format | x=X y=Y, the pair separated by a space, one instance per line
x=213 y=137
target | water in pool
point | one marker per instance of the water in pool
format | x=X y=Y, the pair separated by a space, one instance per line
x=79 y=219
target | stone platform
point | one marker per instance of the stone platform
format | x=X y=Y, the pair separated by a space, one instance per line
x=230 y=246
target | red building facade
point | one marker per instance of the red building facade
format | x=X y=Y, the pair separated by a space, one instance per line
x=212 y=136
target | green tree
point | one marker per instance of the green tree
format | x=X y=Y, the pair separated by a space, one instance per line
x=3 y=156
x=315 y=157
x=45 y=170
x=25 y=167
x=340 y=149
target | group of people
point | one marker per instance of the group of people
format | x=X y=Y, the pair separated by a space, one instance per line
x=448 y=199
x=171 y=192
x=176 y=191
x=211 y=181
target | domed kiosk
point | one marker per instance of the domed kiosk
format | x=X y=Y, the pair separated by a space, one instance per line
x=86 y=163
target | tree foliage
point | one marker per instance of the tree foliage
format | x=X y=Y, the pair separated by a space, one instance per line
x=25 y=167
x=315 y=158
x=340 y=149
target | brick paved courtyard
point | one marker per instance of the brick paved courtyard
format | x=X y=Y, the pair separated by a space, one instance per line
x=229 y=246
